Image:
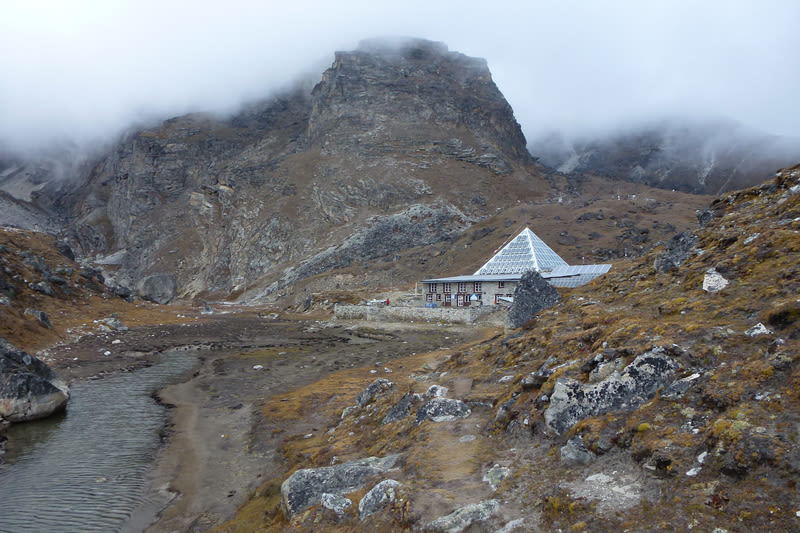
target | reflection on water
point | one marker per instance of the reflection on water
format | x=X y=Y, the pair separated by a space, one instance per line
x=85 y=470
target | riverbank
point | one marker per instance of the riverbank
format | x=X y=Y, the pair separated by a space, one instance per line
x=219 y=445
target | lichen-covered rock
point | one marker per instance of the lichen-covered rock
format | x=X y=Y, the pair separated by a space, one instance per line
x=531 y=296
x=305 y=487
x=713 y=281
x=572 y=401
x=676 y=251
x=378 y=497
x=442 y=410
x=336 y=503
x=462 y=518
x=401 y=410
x=496 y=475
x=29 y=389
x=373 y=389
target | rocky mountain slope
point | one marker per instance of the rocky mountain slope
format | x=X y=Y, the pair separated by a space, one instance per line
x=660 y=397
x=396 y=146
x=708 y=157
x=398 y=151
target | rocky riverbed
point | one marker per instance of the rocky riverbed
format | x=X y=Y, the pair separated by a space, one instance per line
x=219 y=445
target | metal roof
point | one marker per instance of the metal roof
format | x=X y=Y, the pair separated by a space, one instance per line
x=575 y=275
x=525 y=252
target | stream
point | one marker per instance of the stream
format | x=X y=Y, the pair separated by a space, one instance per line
x=86 y=469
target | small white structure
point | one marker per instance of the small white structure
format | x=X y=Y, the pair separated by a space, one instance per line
x=495 y=281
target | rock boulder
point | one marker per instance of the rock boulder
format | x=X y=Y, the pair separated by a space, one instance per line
x=676 y=251
x=305 y=487
x=373 y=389
x=29 y=389
x=378 y=497
x=532 y=295
x=464 y=517
x=573 y=401
x=159 y=288
x=442 y=410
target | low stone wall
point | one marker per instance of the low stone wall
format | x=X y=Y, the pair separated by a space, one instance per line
x=389 y=313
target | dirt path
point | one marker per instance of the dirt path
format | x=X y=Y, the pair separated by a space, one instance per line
x=219 y=446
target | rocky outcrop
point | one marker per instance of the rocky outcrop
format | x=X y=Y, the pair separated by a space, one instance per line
x=360 y=168
x=388 y=87
x=305 y=487
x=159 y=288
x=676 y=251
x=381 y=495
x=531 y=296
x=401 y=409
x=573 y=401
x=378 y=386
x=464 y=517
x=442 y=410
x=29 y=389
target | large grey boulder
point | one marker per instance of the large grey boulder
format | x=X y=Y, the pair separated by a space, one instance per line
x=532 y=295
x=29 y=389
x=462 y=518
x=573 y=401
x=305 y=487
x=159 y=288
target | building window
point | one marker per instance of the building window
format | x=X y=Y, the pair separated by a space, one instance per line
x=446 y=287
x=438 y=297
x=432 y=287
x=501 y=284
x=462 y=287
x=477 y=287
x=429 y=297
x=447 y=298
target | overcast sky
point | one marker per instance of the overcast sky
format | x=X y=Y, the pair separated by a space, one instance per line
x=84 y=69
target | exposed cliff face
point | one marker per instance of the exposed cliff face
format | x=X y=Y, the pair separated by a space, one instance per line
x=708 y=157
x=416 y=95
x=392 y=138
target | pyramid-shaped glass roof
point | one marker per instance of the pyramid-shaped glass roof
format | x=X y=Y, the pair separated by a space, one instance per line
x=525 y=252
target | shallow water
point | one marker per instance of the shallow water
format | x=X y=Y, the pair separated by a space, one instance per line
x=86 y=470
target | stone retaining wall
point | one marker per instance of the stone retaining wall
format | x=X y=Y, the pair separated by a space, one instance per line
x=457 y=315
